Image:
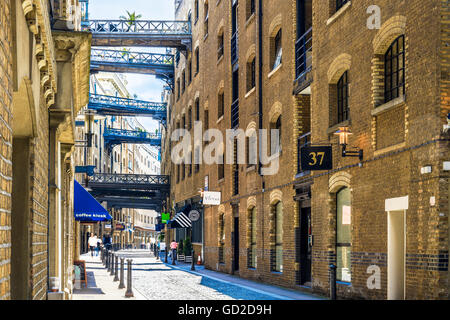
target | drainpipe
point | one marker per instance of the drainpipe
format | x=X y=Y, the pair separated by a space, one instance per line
x=260 y=102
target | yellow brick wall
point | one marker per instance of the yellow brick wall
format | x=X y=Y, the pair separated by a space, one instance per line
x=5 y=145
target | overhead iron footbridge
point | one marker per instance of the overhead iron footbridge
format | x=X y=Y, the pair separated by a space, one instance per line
x=134 y=191
x=114 y=137
x=123 y=61
x=141 y=33
x=116 y=106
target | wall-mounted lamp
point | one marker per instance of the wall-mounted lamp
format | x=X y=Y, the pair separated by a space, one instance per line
x=344 y=133
x=89 y=128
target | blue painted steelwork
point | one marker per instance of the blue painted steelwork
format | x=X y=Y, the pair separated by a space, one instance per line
x=146 y=33
x=116 y=106
x=85 y=169
x=137 y=191
x=114 y=137
x=159 y=65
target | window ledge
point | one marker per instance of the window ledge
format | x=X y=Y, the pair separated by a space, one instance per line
x=388 y=106
x=205 y=37
x=250 y=19
x=334 y=128
x=220 y=181
x=248 y=94
x=276 y=272
x=389 y=149
x=220 y=59
x=349 y=284
x=250 y=168
x=271 y=73
x=219 y=120
x=339 y=13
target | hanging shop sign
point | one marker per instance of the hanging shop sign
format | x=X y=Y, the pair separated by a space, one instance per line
x=316 y=158
x=120 y=226
x=165 y=217
x=194 y=215
x=211 y=198
x=107 y=226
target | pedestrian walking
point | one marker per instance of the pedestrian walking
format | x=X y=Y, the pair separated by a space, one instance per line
x=92 y=243
x=174 y=246
x=99 y=244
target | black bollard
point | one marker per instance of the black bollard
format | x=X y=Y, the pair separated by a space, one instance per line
x=116 y=270
x=113 y=256
x=108 y=259
x=122 y=267
x=332 y=282
x=101 y=254
x=165 y=258
x=129 y=293
x=157 y=254
x=192 y=262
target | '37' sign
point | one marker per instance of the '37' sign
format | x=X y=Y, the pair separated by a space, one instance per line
x=316 y=158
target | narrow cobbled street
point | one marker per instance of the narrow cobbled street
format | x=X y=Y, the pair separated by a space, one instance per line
x=155 y=280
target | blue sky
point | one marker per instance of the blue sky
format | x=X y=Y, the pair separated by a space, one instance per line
x=145 y=87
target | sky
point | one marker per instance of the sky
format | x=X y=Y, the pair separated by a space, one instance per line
x=146 y=87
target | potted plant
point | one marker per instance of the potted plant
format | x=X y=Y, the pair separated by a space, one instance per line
x=187 y=249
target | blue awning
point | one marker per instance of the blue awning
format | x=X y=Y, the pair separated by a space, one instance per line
x=86 y=208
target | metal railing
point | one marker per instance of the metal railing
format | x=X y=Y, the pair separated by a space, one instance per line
x=302 y=141
x=157 y=27
x=303 y=54
x=111 y=132
x=128 y=57
x=235 y=114
x=129 y=179
x=111 y=101
x=234 y=48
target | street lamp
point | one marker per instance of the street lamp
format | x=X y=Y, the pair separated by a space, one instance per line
x=344 y=133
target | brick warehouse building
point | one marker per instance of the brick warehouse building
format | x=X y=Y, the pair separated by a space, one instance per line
x=44 y=82
x=387 y=217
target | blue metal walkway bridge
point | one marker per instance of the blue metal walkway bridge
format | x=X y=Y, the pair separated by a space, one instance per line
x=116 y=106
x=159 y=65
x=135 y=191
x=141 y=33
x=114 y=137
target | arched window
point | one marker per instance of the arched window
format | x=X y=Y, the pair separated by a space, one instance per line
x=278 y=225
x=276 y=126
x=196 y=8
x=197 y=109
x=220 y=44
x=252 y=235
x=277 y=50
x=394 y=70
x=250 y=8
x=342 y=98
x=189 y=119
x=343 y=235
x=251 y=74
x=206 y=8
x=197 y=61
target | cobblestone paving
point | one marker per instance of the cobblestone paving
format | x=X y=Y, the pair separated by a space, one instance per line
x=157 y=281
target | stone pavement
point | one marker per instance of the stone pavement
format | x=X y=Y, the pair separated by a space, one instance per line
x=100 y=283
x=155 y=280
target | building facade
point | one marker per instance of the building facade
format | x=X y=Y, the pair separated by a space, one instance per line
x=44 y=83
x=311 y=68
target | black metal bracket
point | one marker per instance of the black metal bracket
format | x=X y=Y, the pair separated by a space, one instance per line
x=346 y=153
